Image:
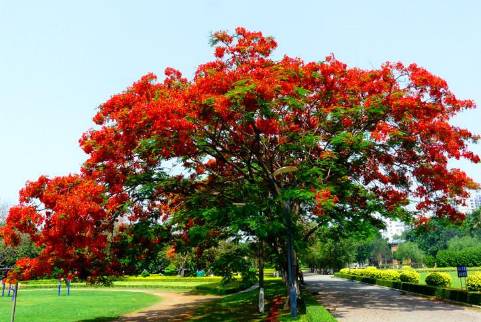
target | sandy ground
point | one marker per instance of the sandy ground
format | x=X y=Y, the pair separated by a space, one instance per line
x=172 y=307
x=357 y=302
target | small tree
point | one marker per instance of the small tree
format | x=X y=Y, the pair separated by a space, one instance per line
x=408 y=253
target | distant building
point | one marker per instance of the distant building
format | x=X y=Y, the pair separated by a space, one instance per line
x=472 y=203
x=393 y=230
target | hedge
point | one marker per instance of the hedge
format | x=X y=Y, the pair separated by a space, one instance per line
x=470 y=256
x=444 y=293
x=445 y=269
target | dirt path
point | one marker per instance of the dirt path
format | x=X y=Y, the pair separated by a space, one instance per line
x=357 y=302
x=172 y=307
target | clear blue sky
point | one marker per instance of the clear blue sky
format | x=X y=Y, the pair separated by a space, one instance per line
x=60 y=59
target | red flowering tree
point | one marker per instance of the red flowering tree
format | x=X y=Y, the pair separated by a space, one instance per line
x=317 y=138
x=66 y=217
x=285 y=141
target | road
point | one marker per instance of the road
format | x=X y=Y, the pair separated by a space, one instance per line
x=358 y=302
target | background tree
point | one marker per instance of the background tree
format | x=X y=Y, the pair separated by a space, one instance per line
x=409 y=253
x=460 y=243
x=434 y=235
x=9 y=254
x=372 y=249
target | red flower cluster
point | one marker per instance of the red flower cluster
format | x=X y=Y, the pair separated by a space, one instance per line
x=65 y=216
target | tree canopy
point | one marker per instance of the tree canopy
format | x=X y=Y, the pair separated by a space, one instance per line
x=250 y=146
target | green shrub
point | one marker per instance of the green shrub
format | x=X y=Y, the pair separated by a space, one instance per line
x=473 y=282
x=344 y=270
x=145 y=273
x=249 y=277
x=409 y=276
x=170 y=270
x=438 y=279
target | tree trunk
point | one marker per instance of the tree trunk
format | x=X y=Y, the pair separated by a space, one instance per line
x=261 y=276
x=291 y=260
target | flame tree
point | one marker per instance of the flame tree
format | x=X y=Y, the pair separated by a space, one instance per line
x=263 y=146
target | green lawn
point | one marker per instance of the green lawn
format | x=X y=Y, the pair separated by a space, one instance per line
x=82 y=305
x=210 y=284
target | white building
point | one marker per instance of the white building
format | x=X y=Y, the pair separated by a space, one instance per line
x=472 y=203
x=393 y=230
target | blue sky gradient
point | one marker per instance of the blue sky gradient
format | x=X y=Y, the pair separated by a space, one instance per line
x=59 y=60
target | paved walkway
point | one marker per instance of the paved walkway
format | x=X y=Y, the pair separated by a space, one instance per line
x=358 y=302
x=176 y=307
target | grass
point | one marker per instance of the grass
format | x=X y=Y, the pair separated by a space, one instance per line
x=243 y=307
x=81 y=305
x=314 y=311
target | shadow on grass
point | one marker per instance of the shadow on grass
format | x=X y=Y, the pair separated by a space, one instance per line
x=238 y=307
x=217 y=288
x=231 y=307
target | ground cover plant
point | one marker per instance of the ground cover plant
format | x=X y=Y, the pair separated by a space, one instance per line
x=103 y=305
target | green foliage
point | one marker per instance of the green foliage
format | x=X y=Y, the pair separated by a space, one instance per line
x=145 y=273
x=170 y=270
x=409 y=276
x=231 y=259
x=473 y=281
x=438 y=279
x=374 y=249
x=460 y=243
x=409 y=252
x=330 y=253
x=249 y=276
x=10 y=254
x=434 y=236
x=466 y=257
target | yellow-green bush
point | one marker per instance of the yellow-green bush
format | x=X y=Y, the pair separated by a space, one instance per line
x=473 y=282
x=438 y=279
x=344 y=271
x=409 y=276
x=389 y=274
x=373 y=272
